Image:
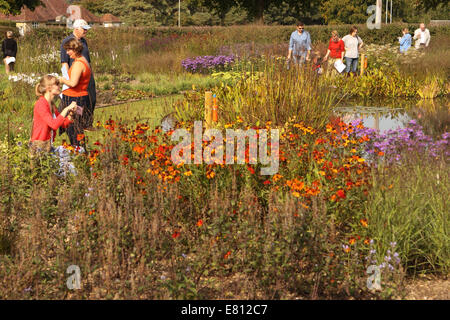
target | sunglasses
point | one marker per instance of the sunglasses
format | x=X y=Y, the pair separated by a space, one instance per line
x=300 y=28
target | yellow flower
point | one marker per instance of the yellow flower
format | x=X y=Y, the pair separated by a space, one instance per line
x=188 y=173
x=296 y=194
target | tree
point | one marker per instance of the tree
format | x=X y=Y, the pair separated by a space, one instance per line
x=219 y=6
x=94 y=6
x=344 y=11
x=14 y=6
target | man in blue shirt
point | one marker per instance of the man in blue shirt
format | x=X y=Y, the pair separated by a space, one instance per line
x=299 y=44
x=80 y=29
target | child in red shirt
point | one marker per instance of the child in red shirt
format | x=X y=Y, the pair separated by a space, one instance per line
x=336 y=50
x=46 y=118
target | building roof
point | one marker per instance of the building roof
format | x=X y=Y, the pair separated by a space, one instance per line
x=49 y=12
x=109 y=18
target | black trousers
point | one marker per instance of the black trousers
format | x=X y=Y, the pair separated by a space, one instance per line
x=93 y=99
x=79 y=122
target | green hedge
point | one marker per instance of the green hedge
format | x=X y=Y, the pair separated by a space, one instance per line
x=322 y=33
x=247 y=33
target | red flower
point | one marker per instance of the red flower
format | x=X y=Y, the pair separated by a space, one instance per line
x=80 y=137
x=252 y=171
x=266 y=182
x=227 y=255
x=341 y=194
x=199 y=223
x=175 y=235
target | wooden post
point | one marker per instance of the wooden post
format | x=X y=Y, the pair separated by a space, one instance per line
x=377 y=121
x=215 y=111
x=362 y=57
x=208 y=108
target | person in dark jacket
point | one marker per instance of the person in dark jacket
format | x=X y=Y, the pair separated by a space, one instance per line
x=9 y=49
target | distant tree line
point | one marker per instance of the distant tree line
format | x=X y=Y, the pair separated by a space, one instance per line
x=230 y=12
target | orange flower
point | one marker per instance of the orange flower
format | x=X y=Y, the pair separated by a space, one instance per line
x=381 y=153
x=364 y=222
x=139 y=149
x=80 y=137
x=199 y=223
x=227 y=255
x=367 y=241
x=91 y=212
x=352 y=241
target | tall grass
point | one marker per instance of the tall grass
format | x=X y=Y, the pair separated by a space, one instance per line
x=409 y=205
x=271 y=93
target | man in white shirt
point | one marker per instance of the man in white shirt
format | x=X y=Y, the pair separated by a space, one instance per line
x=422 y=37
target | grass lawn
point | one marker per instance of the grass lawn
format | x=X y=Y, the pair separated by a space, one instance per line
x=150 y=111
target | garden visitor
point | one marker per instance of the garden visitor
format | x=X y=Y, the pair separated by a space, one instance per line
x=80 y=29
x=336 y=50
x=299 y=45
x=405 y=41
x=46 y=118
x=422 y=37
x=317 y=64
x=79 y=77
x=9 y=49
x=353 y=44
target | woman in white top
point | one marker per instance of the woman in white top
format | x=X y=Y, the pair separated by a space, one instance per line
x=353 y=44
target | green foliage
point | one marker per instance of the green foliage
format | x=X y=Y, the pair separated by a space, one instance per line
x=14 y=6
x=344 y=11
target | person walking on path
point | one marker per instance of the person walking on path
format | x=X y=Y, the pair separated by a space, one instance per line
x=405 y=41
x=299 y=45
x=353 y=44
x=46 y=118
x=9 y=49
x=78 y=82
x=80 y=29
x=422 y=37
x=335 y=52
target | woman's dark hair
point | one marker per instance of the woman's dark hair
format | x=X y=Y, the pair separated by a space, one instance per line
x=75 y=45
x=353 y=29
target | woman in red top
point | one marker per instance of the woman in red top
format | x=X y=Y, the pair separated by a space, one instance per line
x=46 y=119
x=336 y=50
x=79 y=77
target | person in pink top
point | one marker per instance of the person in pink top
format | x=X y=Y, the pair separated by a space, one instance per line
x=46 y=118
x=336 y=50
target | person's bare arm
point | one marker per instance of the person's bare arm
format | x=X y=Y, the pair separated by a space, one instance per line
x=77 y=69
x=326 y=56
